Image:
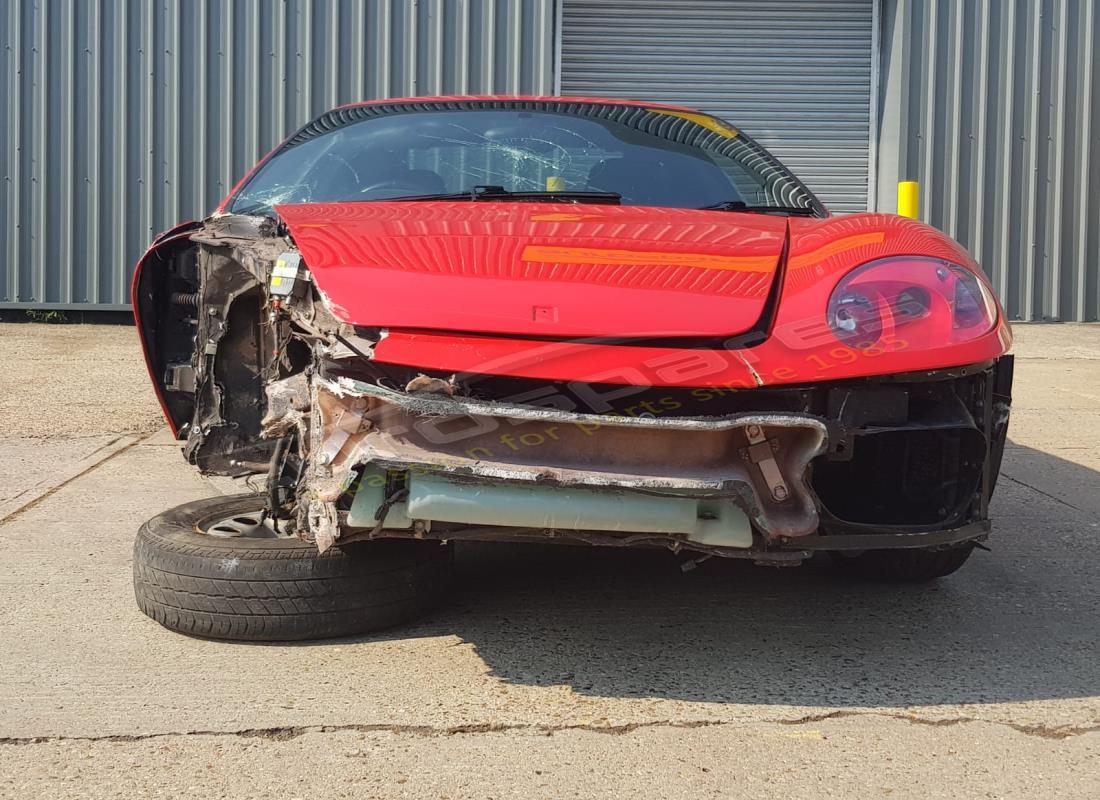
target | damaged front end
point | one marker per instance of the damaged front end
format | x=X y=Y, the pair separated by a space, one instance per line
x=259 y=376
x=429 y=463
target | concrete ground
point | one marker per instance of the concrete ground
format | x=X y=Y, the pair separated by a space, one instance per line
x=554 y=672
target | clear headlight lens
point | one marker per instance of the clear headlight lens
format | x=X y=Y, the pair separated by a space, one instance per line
x=928 y=301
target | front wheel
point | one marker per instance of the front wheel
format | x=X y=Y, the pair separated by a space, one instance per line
x=213 y=568
x=903 y=566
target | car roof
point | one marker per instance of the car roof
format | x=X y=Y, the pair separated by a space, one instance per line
x=616 y=101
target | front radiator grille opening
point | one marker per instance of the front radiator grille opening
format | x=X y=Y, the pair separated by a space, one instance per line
x=903 y=477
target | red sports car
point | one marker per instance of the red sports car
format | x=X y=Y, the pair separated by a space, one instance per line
x=600 y=322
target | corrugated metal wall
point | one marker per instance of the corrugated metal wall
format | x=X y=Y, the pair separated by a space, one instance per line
x=994 y=105
x=794 y=74
x=121 y=117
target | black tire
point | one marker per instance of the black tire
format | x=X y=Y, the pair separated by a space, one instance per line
x=903 y=566
x=277 y=589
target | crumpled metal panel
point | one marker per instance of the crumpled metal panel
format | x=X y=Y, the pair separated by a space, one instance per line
x=477 y=441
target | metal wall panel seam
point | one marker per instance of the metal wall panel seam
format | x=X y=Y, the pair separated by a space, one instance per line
x=436 y=65
x=557 y=45
x=1080 y=249
x=355 y=42
x=461 y=63
x=226 y=53
x=256 y=62
x=488 y=57
x=873 y=111
x=1093 y=178
x=146 y=112
x=929 y=74
x=411 y=85
x=981 y=91
x=1027 y=216
x=199 y=123
x=95 y=211
x=953 y=117
x=174 y=39
x=1007 y=138
x=120 y=142
x=382 y=35
x=303 y=57
x=1055 y=156
x=14 y=155
x=515 y=47
x=61 y=224
x=894 y=129
x=334 y=57
x=39 y=157
x=279 y=42
x=545 y=77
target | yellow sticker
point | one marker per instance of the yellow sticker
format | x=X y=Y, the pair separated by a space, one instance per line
x=705 y=120
x=276 y=281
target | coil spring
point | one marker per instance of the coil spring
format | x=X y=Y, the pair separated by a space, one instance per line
x=185 y=299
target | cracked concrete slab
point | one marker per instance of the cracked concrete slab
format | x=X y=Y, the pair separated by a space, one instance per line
x=287 y=732
x=570 y=672
x=38 y=469
x=849 y=757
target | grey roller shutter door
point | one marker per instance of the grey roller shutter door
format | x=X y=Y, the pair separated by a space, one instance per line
x=794 y=74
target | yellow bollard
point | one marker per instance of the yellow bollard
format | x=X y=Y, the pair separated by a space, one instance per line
x=908 y=199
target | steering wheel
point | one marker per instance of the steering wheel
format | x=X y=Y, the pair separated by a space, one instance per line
x=405 y=187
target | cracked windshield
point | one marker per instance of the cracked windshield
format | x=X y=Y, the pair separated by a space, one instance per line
x=658 y=159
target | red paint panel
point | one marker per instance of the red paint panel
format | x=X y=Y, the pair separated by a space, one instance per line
x=771 y=364
x=566 y=361
x=801 y=348
x=486 y=266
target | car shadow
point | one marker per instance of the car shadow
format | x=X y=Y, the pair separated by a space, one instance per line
x=1018 y=623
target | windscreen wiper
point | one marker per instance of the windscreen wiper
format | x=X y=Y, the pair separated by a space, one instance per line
x=500 y=193
x=741 y=205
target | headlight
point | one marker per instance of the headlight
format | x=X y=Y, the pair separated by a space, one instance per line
x=929 y=301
